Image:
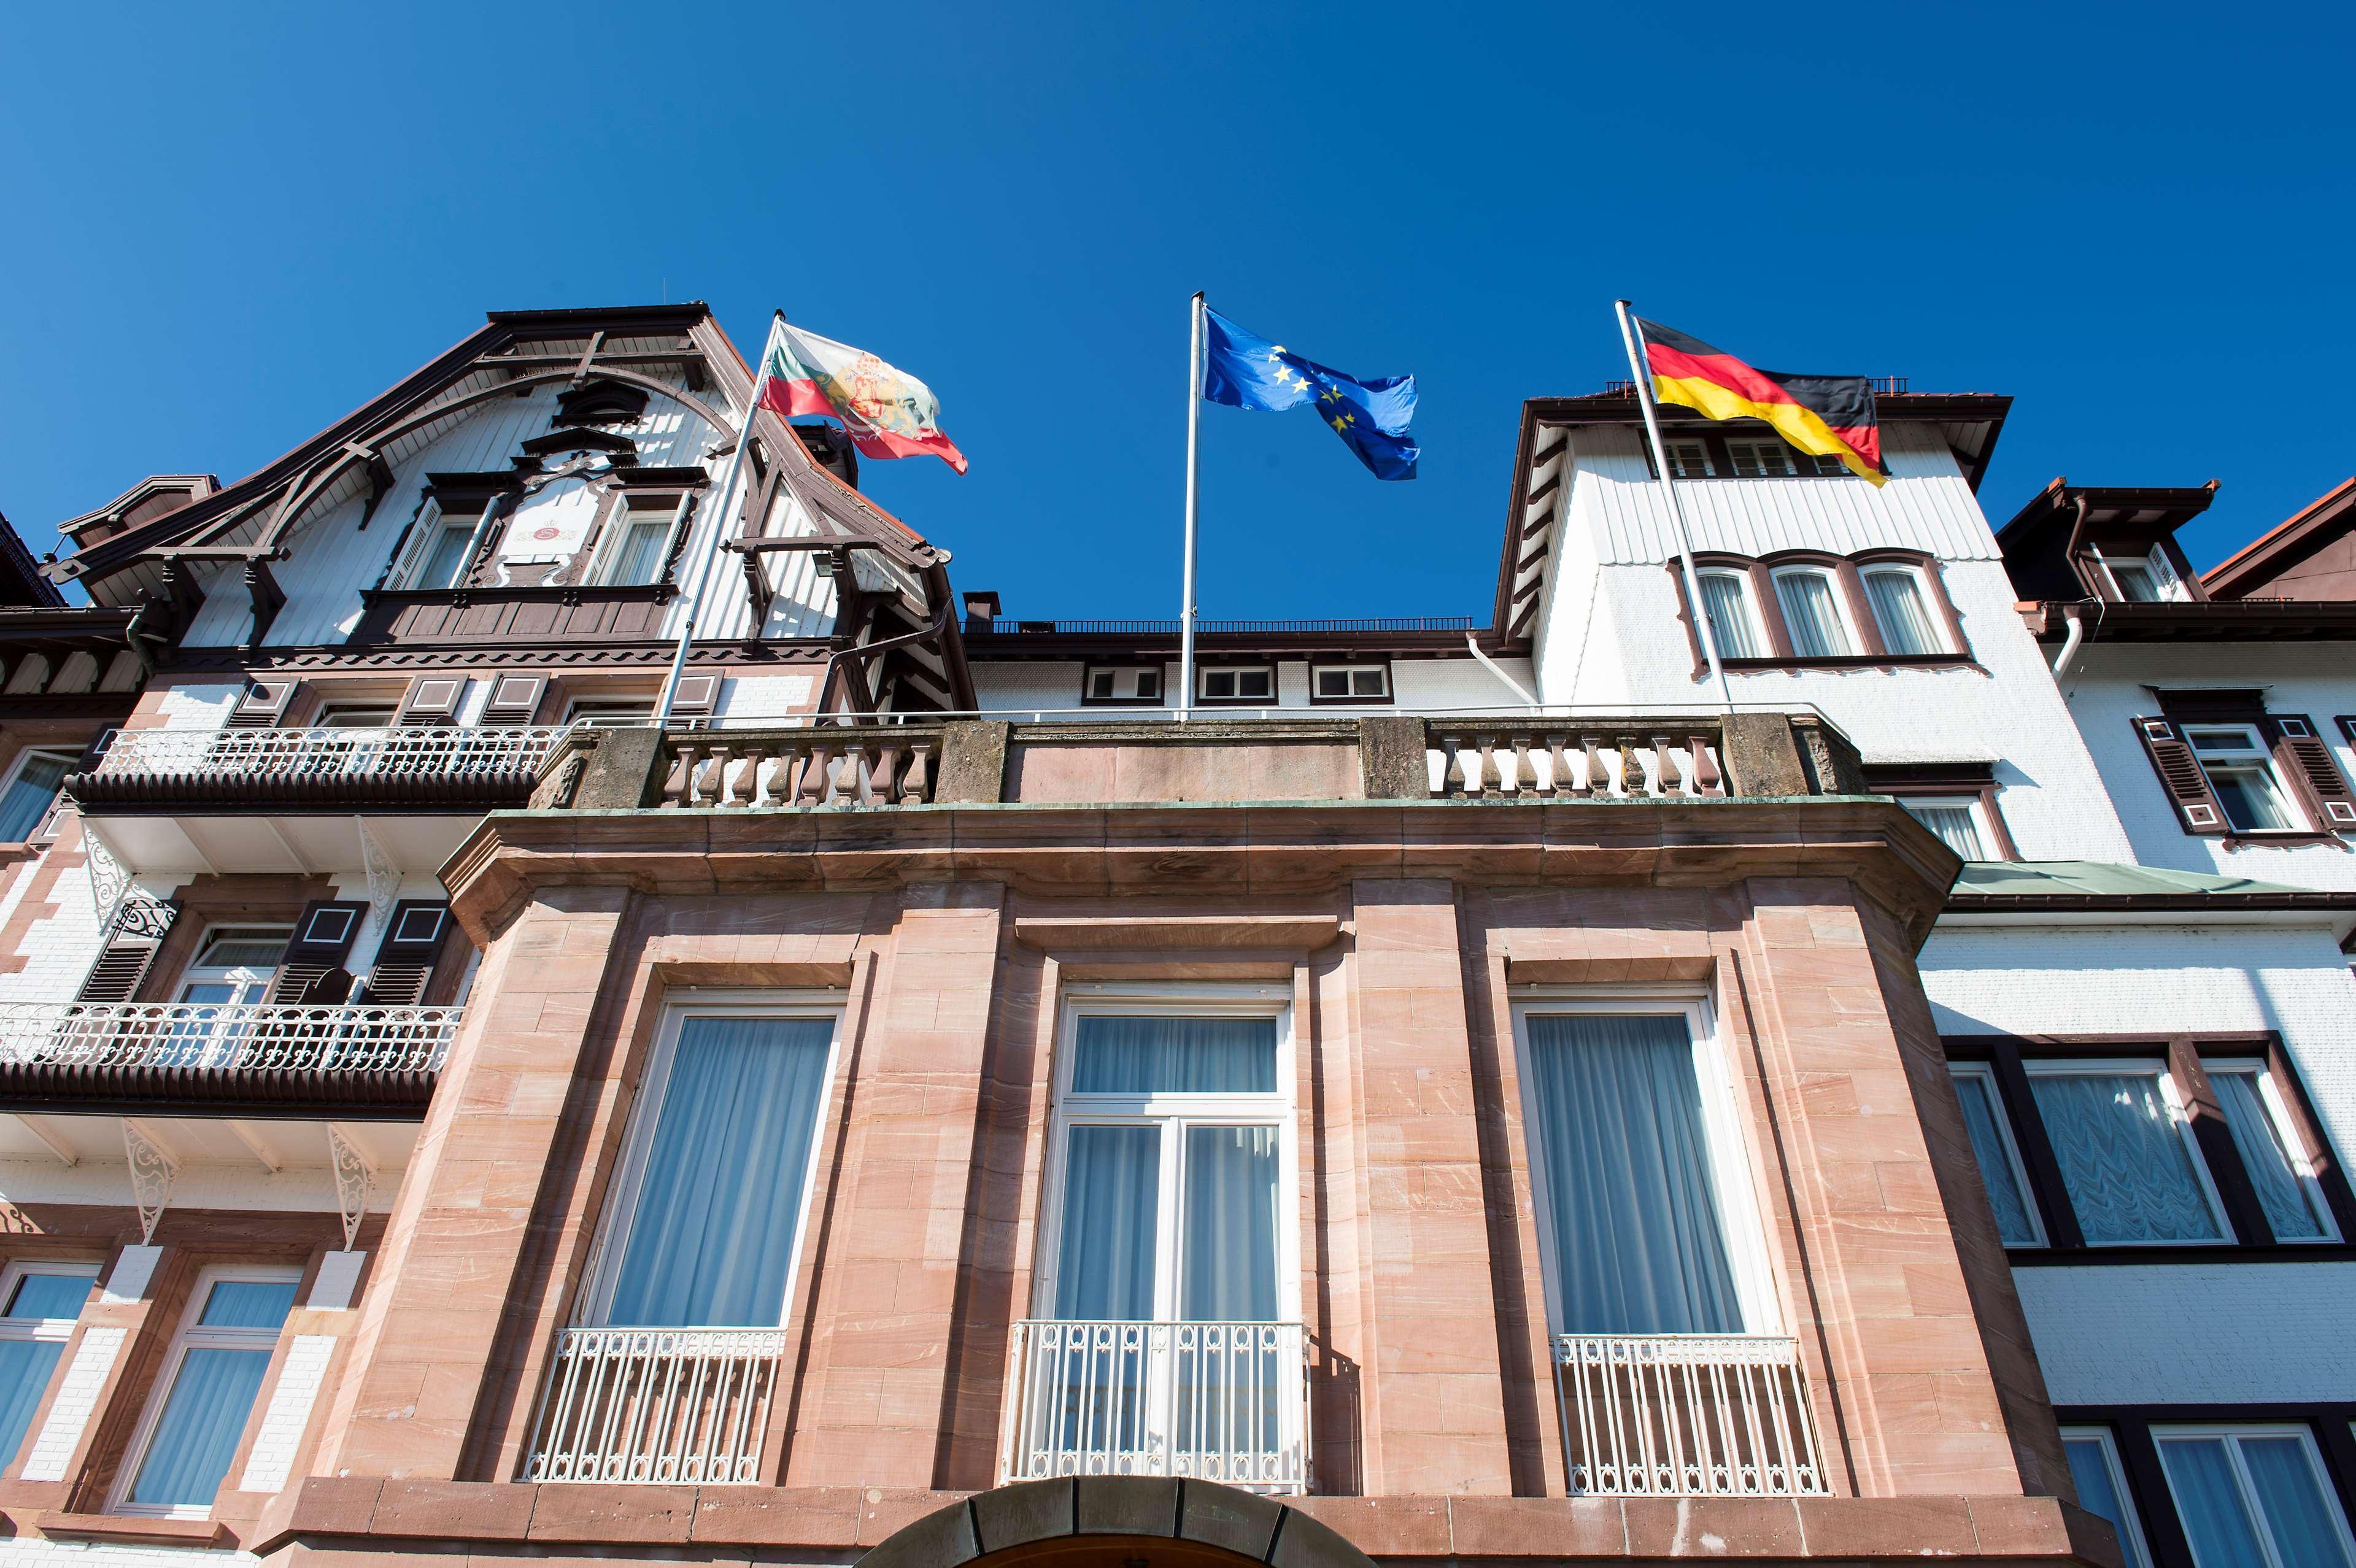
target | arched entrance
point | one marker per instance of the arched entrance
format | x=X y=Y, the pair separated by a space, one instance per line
x=1116 y=1521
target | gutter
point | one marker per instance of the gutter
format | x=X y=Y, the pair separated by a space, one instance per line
x=1473 y=648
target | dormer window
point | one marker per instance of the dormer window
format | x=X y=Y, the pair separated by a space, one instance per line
x=2145 y=579
x=1762 y=456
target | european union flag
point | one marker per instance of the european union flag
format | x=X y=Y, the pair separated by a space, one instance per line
x=1246 y=371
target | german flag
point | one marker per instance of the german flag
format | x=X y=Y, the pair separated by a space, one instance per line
x=1831 y=416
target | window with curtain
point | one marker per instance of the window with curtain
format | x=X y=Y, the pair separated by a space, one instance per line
x=2271 y=1152
x=719 y=1199
x=211 y=1382
x=2126 y=1154
x=1954 y=822
x=2094 y=1465
x=1901 y=611
x=637 y=555
x=32 y=792
x=1811 y=606
x=2000 y=1161
x=42 y=1304
x=1726 y=597
x=2253 y=1497
x=1621 y=1144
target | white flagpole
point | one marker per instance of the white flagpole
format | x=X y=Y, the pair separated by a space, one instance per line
x=729 y=503
x=1194 y=434
x=1641 y=367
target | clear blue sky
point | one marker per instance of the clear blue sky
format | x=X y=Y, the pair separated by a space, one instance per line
x=227 y=226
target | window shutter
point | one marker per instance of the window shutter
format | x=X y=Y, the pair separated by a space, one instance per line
x=2181 y=776
x=514 y=700
x=2302 y=753
x=132 y=943
x=432 y=700
x=405 y=958
x=695 y=697
x=262 y=704
x=313 y=969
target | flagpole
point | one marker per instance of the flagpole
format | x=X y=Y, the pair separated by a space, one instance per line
x=729 y=501
x=1641 y=367
x=1194 y=435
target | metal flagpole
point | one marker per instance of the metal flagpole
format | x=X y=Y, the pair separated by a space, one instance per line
x=1641 y=367
x=729 y=501
x=1194 y=434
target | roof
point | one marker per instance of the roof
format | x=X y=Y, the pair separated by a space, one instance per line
x=21 y=581
x=2031 y=889
x=2180 y=620
x=2327 y=520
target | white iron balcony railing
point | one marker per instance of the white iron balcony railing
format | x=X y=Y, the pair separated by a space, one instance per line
x=168 y=764
x=1218 y=1401
x=1686 y=1415
x=656 y=1404
x=226 y=1036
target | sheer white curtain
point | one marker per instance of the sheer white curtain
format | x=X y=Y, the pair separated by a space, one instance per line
x=1112 y=1192
x=2280 y=1191
x=1728 y=604
x=1985 y=1122
x=1812 y=615
x=2129 y=1176
x=1638 y=1241
x=1229 y=1267
x=723 y=1194
x=1898 y=610
x=1953 y=827
x=1174 y=1055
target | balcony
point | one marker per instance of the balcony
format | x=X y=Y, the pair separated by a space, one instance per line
x=1686 y=1415
x=656 y=1405
x=1214 y=1401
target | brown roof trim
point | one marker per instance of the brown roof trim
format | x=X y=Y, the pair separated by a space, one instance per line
x=1889 y=408
x=1001 y=647
x=2218 y=620
x=2265 y=557
x=2137 y=903
x=344 y=1094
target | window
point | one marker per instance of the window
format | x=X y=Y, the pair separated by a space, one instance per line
x=442 y=561
x=2271 y=1151
x=1733 y=623
x=1638 y=1172
x=235 y=964
x=1122 y=683
x=42 y=1302
x=1333 y=682
x=608 y=710
x=2146 y=579
x=2128 y=1160
x=2094 y=1455
x=1998 y=1158
x=1689 y=459
x=32 y=794
x=1239 y=683
x=1762 y=460
x=636 y=556
x=355 y=715
x=2241 y=774
x=1954 y=821
x=1812 y=615
x=1903 y=612
x=2254 y=1496
x=717 y=1175
x=206 y=1393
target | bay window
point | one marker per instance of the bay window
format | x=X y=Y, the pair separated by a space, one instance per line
x=204 y=1395
x=2271 y=1151
x=42 y=1303
x=2129 y=1163
x=1810 y=601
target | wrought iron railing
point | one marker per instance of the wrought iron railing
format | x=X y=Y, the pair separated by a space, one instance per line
x=438 y=752
x=884 y=765
x=1583 y=759
x=994 y=627
x=1686 y=1415
x=1218 y=1401
x=226 y=1036
x=688 y=1405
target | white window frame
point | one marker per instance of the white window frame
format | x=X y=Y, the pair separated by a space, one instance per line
x=1842 y=612
x=606 y=712
x=2131 y=1537
x=47 y=828
x=1985 y=1073
x=2232 y=1433
x=1694 y=453
x=1868 y=570
x=618 y=526
x=192 y=1336
x=2261 y=755
x=1756 y=625
x=432 y=525
x=1977 y=805
x=1125 y=681
x=2285 y=1130
x=1203 y=684
x=622 y=1207
x=389 y=707
x=1350 y=673
x=1175 y=1113
x=240 y=977
x=1755 y=447
x=2171 y=1097
x=2166 y=588
x=1745 y=1222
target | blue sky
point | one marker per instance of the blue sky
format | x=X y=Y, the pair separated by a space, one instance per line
x=227 y=227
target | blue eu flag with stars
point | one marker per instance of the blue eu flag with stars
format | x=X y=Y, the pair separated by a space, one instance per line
x=1246 y=371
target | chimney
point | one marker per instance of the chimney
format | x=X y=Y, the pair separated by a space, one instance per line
x=981 y=610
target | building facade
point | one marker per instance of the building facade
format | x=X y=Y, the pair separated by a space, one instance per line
x=1466 y=1092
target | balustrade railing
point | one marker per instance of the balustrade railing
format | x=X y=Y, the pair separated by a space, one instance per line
x=656 y=1405
x=800 y=768
x=1635 y=759
x=226 y=1036
x=433 y=752
x=1218 y=1401
x=1686 y=1415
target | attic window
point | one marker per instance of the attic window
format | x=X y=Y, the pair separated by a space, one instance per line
x=599 y=403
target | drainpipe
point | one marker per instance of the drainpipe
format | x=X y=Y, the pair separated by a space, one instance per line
x=1491 y=666
x=2069 y=642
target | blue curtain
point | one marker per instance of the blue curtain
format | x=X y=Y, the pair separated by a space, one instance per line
x=1229 y=1270
x=1638 y=1244
x=1981 y=1121
x=1112 y=1192
x=249 y=1304
x=2096 y=1493
x=724 y=1192
x=2280 y=1191
x=1174 y=1055
x=2129 y=1176
x=25 y=1366
x=211 y=1400
x=49 y=1295
x=30 y=795
x=2297 y=1514
x=2209 y=1504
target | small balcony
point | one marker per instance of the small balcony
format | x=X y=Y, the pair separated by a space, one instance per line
x=686 y=1405
x=1214 y=1401
x=1686 y=1415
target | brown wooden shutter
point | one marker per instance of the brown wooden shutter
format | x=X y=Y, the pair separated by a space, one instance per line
x=2181 y=776
x=2301 y=753
x=695 y=697
x=405 y=958
x=313 y=969
x=262 y=704
x=514 y=700
x=432 y=700
x=132 y=943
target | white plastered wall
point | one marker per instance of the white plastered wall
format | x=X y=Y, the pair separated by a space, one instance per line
x=1019 y=688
